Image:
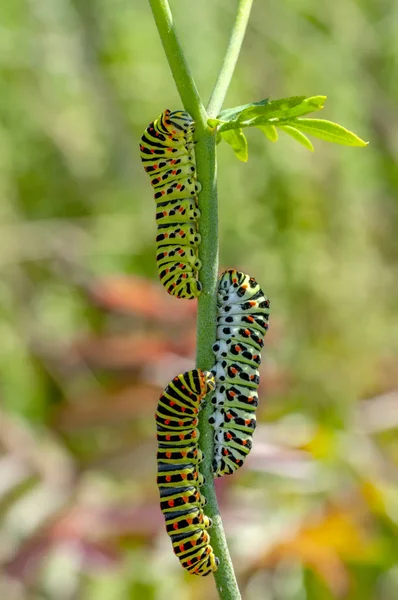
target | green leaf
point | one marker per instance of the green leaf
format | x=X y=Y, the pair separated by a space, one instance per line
x=270 y=131
x=237 y=140
x=274 y=108
x=260 y=113
x=231 y=113
x=328 y=131
x=307 y=106
x=298 y=136
x=286 y=108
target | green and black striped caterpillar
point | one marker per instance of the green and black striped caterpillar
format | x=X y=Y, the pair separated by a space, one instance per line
x=179 y=478
x=242 y=321
x=167 y=152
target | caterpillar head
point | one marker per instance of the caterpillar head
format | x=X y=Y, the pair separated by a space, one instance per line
x=207 y=382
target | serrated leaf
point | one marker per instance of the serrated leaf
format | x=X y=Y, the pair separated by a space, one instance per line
x=274 y=108
x=328 y=131
x=270 y=131
x=238 y=142
x=307 y=106
x=287 y=108
x=298 y=136
x=256 y=114
x=231 y=113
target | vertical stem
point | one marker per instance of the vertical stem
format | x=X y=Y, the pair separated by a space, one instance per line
x=179 y=67
x=206 y=165
x=231 y=56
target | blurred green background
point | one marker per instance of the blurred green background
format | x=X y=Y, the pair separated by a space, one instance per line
x=89 y=338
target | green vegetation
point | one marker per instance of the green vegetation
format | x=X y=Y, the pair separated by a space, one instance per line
x=86 y=348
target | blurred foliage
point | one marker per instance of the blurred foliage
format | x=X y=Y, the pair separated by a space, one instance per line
x=89 y=340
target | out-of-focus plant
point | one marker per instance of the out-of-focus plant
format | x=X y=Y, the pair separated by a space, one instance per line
x=85 y=349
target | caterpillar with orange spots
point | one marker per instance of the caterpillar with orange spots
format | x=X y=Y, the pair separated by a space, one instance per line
x=167 y=153
x=242 y=321
x=178 y=477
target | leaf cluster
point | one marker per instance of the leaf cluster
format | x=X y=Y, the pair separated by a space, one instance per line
x=285 y=114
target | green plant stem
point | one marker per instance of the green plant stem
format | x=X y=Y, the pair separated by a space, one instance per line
x=179 y=67
x=230 y=59
x=206 y=336
x=205 y=152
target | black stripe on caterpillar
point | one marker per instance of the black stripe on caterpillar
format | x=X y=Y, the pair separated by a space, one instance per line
x=178 y=477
